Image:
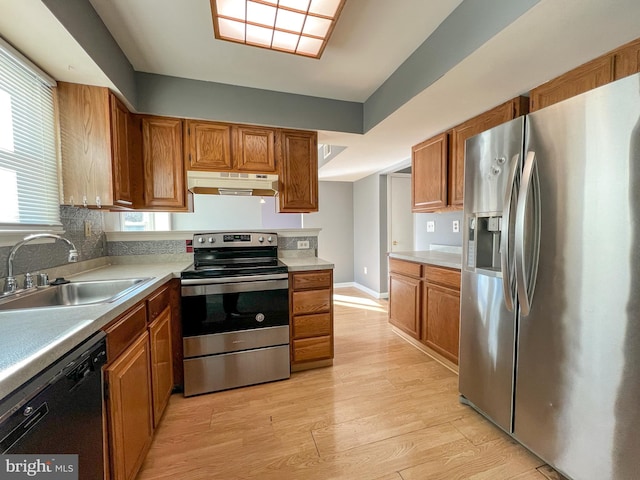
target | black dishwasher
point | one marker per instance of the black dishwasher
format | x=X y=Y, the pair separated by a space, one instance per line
x=60 y=410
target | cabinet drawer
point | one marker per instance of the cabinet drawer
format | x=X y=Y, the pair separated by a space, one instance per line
x=443 y=276
x=158 y=301
x=320 y=279
x=311 y=301
x=316 y=348
x=125 y=330
x=311 y=325
x=405 y=268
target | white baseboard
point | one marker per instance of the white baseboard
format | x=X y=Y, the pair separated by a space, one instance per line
x=366 y=290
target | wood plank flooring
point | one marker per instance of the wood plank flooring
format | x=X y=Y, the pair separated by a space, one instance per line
x=384 y=411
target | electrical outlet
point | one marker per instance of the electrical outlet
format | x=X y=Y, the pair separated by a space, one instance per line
x=431 y=226
x=456 y=226
x=87 y=229
x=303 y=244
x=365 y=270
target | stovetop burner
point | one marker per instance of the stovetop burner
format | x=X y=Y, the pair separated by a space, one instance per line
x=227 y=254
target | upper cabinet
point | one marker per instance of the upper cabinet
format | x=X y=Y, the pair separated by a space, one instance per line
x=223 y=147
x=437 y=164
x=429 y=163
x=254 y=149
x=94 y=143
x=492 y=118
x=586 y=77
x=163 y=176
x=208 y=145
x=614 y=65
x=298 y=171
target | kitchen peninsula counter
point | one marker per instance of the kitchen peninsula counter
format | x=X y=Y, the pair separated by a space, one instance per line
x=298 y=264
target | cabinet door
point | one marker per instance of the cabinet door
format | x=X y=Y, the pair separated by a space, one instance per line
x=627 y=60
x=255 y=150
x=208 y=146
x=164 y=172
x=122 y=192
x=298 y=167
x=441 y=319
x=85 y=144
x=494 y=117
x=161 y=362
x=586 y=77
x=404 y=304
x=129 y=409
x=429 y=161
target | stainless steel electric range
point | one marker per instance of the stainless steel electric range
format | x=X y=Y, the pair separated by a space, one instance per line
x=235 y=312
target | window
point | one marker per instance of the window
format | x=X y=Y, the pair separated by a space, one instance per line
x=144 y=221
x=28 y=164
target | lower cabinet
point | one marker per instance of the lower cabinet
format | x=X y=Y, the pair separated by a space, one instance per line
x=424 y=302
x=138 y=380
x=129 y=409
x=311 y=308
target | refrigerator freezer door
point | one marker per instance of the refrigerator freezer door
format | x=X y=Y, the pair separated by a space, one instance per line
x=487 y=327
x=578 y=357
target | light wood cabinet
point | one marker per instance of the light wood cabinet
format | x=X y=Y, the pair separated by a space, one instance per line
x=161 y=363
x=429 y=163
x=129 y=406
x=311 y=313
x=208 y=146
x=459 y=134
x=138 y=378
x=94 y=128
x=254 y=149
x=163 y=167
x=586 y=77
x=627 y=60
x=298 y=171
x=404 y=296
x=441 y=312
x=424 y=302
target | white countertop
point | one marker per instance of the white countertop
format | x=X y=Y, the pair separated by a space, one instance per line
x=432 y=257
x=32 y=339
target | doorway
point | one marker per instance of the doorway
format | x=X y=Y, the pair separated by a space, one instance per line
x=400 y=217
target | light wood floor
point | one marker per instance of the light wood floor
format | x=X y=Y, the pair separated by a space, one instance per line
x=384 y=411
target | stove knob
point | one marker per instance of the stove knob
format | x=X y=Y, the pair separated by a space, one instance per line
x=200 y=240
x=270 y=239
x=261 y=239
x=212 y=240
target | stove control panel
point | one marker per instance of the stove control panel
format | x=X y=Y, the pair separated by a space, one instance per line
x=221 y=240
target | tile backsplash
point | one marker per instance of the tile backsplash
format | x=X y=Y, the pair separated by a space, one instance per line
x=31 y=258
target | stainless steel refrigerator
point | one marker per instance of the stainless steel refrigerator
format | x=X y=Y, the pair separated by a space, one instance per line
x=550 y=295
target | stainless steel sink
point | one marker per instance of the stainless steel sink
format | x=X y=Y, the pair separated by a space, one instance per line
x=74 y=293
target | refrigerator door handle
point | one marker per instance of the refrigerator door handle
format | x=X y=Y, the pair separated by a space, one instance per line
x=526 y=280
x=506 y=263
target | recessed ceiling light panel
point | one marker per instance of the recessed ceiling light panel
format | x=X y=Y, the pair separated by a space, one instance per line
x=302 y=27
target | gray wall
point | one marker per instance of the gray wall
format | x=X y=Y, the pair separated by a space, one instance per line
x=367 y=232
x=444 y=230
x=335 y=218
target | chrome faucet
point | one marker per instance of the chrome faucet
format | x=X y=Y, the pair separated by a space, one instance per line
x=10 y=284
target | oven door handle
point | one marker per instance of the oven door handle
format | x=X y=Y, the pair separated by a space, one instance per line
x=201 y=288
x=248 y=278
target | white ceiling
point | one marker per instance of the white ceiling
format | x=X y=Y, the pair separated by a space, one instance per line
x=371 y=39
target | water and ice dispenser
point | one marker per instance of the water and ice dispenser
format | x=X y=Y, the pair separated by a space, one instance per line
x=483 y=242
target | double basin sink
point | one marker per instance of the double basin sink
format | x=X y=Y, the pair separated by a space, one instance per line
x=74 y=293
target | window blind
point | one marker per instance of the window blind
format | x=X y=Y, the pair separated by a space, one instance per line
x=28 y=164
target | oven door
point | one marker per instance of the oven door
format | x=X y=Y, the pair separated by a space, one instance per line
x=234 y=306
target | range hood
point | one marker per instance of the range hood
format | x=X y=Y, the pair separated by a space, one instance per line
x=232 y=183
